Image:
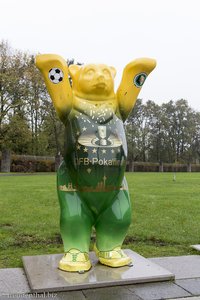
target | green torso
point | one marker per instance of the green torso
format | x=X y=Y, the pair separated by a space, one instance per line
x=95 y=150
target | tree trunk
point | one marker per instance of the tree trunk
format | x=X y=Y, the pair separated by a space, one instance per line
x=131 y=166
x=58 y=160
x=189 y=167
x=5 y=161
x=161 y=166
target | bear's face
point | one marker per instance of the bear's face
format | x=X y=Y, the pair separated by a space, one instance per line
x=94 y=82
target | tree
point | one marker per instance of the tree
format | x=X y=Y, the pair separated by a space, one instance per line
x=166 y=133
x=179 y=127
x=133 y=127
x=54 y=130
x=36 y=94
x=17 y=135
x=155 y=149
x=11 y=88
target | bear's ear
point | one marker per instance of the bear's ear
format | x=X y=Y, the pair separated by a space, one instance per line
x=113 y=71
x=73 y=70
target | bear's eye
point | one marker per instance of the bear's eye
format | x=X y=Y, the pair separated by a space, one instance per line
x=106 y=72
x=89 y=72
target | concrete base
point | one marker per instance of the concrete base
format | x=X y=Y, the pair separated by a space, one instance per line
x=43 y=274
x=184 y=267
x=196 y=247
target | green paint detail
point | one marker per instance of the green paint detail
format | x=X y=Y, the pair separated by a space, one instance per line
x=139 y=79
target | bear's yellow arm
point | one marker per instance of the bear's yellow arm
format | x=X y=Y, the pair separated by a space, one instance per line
x=61 y=93
x=128 y=91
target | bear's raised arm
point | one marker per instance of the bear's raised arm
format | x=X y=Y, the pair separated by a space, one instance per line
x=133 y=77
x=55 y=71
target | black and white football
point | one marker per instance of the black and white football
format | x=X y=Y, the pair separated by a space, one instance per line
x=56 y=75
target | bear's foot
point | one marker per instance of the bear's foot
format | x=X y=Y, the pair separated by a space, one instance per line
x=114 y=258
x=75 y=261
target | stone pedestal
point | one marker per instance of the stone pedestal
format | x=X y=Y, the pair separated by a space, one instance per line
x=44 y=276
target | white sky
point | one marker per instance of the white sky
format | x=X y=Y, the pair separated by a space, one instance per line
x=115 y=32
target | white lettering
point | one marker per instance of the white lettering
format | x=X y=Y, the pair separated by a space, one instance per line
x=94 y=161
x=101 y=162
x=86 y=161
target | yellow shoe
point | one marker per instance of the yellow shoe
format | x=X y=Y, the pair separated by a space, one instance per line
x=114 y=258
x=75 y=261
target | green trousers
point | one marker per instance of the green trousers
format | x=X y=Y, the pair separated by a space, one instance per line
x=108 y=212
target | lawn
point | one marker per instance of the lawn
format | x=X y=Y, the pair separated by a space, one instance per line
x=165 y=215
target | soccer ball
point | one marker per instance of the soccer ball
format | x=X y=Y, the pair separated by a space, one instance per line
x=56 y=75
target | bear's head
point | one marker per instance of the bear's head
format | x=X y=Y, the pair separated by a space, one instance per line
x=93 y=82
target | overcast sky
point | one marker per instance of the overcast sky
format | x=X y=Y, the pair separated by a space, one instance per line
x=115 y=32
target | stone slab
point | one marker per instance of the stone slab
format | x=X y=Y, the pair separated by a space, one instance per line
x=187 y=298
x=191 y=285
x=182 y=266
x=75 y=295
x=196 y=247
x=43 y=274
x=13 y=281
x=157 y=291
x=111 y=293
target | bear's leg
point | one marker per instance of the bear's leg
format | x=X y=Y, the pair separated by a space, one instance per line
x=111 y=228
x=76 y=223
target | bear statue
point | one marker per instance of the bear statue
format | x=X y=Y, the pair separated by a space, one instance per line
x=92 y=189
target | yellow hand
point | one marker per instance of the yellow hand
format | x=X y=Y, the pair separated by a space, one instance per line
x=57 y=83
x=133 y=78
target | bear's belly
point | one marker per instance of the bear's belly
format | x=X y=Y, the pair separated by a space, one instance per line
x=96 y=154
x=99 y=168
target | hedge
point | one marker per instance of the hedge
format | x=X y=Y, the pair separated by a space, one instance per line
x=156 y=167
x=28 y=164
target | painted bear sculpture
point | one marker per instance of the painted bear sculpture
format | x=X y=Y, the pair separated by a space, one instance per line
x=92 y=189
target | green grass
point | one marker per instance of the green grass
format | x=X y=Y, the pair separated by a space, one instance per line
x=165 y=215
x=165 y=212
